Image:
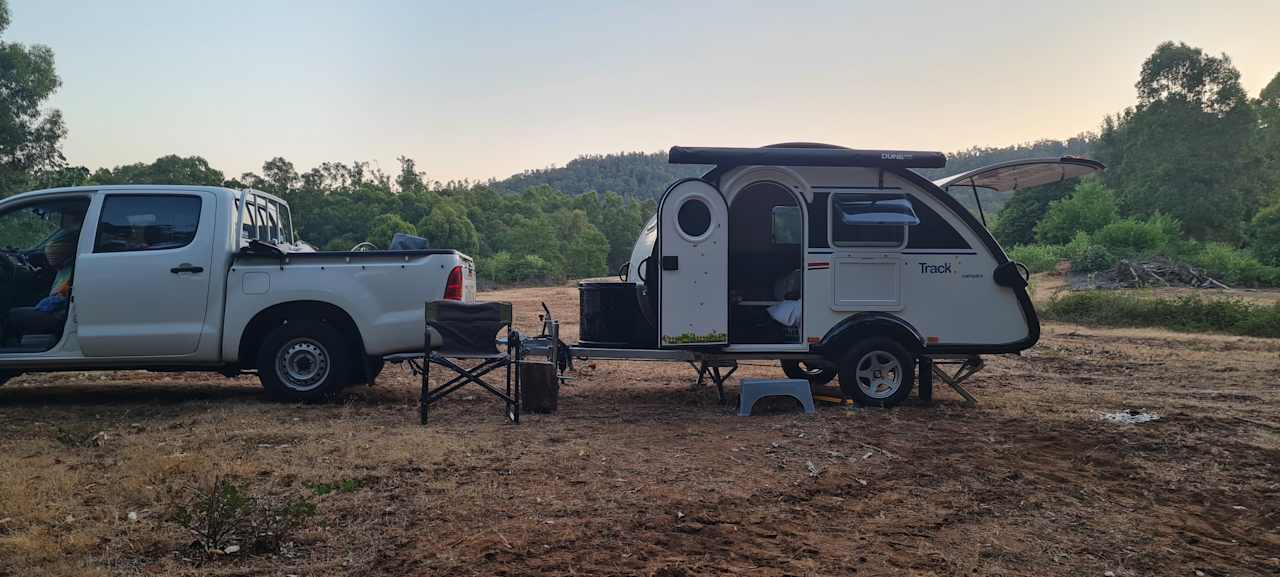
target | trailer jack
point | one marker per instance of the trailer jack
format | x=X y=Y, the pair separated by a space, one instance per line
x=965 y=367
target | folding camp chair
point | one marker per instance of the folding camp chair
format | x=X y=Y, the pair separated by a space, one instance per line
x=469 y=331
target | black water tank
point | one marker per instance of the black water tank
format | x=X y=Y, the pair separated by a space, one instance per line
x=610 y=316
x=539 y=387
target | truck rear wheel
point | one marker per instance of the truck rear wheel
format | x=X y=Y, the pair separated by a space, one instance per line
x=304 y=360
x=373 y=368
x=877 y=372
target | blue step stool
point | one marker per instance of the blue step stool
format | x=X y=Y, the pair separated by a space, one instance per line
x=753 y=390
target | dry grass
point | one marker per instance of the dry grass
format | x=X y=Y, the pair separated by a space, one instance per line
x=641 y=474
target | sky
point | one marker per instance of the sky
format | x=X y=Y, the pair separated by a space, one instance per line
x=485 y=89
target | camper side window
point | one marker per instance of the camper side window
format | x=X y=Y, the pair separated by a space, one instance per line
x=881 y=220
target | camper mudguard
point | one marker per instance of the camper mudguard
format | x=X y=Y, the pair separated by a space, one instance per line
x=854 y=328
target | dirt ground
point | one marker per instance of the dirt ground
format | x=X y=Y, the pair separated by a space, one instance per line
x=642 y=474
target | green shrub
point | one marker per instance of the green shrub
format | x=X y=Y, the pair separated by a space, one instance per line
x=531 y=268
x=343 y=486
x=447 y=226
x=1015 y=223
x=1096 y=257
x=215 y=514
x=224 y=514
x=1036 y=257
x=1089 y=208
x=1085 y=254
x=1234 y=266
x=386 y=226
x=1132 y=237
x=1188 y=314
x=506 y=268
x=1263 y=234
x=275 y=519
x=494 y=268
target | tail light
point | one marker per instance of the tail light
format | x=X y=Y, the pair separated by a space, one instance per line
x=453 y=286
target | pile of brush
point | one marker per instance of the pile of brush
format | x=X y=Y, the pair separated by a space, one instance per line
x=1156 y=272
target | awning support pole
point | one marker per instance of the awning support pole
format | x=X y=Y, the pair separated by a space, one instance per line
x=978 y=200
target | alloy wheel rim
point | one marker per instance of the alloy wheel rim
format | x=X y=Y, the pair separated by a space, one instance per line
x=879 y=374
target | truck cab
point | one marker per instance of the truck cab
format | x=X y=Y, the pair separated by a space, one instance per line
x=201 y=278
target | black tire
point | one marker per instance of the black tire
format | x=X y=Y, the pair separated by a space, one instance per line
x=372 y=368
x=924 y=386
x=817 y=374
x=877 y=372
x=304 y=360
x=6 y=375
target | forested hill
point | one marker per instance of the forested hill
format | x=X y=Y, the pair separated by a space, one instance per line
x=977 y=156
x=644 y=175
x=640 y=175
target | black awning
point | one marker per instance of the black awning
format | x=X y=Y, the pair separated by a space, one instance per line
x=724 y=157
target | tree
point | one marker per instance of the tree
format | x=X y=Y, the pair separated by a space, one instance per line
x=585 y=249
x=410 y=179
x=170 y=169
x=640 y=175
x=1264 y=235
x=620 y=220
x=1089 y=208
x=1178 y=72
x=30 y=136
x=385 y=227
x=279 y=177
x=1016 y=221
x=532 y=234
x=1182 y=150
x=1267 y=143
x=447 y=227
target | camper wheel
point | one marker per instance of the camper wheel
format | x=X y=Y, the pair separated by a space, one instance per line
x=816 y=373
x=877 y=372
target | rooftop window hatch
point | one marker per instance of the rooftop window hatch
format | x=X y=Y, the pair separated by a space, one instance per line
x=867 y=210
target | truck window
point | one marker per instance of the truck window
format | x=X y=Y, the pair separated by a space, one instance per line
x=286 y=226
x=264 y=226
x=147 y=222
x=861 y=219
x=274 y=220
x=249 y=230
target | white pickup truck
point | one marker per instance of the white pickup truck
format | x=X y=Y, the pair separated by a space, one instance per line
x=188 y=278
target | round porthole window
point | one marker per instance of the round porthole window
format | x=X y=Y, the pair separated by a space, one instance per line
x=694 y=217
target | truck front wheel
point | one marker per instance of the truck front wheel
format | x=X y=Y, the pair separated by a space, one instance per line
x=303 y=360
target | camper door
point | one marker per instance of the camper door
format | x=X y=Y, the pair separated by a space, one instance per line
x=694 y=263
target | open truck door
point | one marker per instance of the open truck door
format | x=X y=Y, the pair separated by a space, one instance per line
x=693 y=260
x=1014 y=175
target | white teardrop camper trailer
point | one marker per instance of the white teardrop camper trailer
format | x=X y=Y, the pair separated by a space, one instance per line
x=838 y=262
